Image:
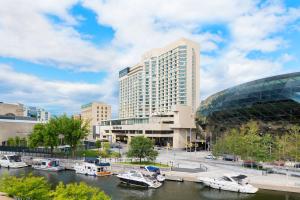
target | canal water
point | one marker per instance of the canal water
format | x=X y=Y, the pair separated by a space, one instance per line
x=169 y=191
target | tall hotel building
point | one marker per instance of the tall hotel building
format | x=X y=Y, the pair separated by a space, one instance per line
x=158 y=97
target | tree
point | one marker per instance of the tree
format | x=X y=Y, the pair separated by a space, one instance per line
x=45 y=135
x=142 y=147
x=36 y=138
x=76 y=191
x=24 y=188
x=74 y=131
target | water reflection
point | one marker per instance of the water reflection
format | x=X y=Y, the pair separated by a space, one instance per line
x=208 y=193
x=169 y=191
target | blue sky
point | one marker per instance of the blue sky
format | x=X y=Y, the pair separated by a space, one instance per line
x=60 y=54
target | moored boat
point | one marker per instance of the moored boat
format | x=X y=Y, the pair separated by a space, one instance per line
x=154 y=172
x=47 y=165
x=234 y=183
x=136 y=178
x=12 y=161
x=93 y=167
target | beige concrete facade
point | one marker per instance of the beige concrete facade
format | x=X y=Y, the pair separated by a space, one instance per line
x=177 y=128
x=13 y=128
x=9 y=109
x=94 y=113
x=163 y=78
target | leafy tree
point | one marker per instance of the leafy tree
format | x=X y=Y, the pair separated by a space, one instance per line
x=45 y=135
x=36 y=138
x=25 y=188
x=142 y=147
x=74 y=131
x=76 y=191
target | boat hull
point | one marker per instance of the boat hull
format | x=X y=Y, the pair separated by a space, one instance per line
x=14 y=165
x=107 y=173
x=249 y=189
x=134 y=182
x=51 y=169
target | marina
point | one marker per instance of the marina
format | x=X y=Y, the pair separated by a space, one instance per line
x=170 y=190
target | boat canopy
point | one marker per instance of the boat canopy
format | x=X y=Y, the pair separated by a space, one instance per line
x=152 y=169
x=241 y=176
x=96 y=161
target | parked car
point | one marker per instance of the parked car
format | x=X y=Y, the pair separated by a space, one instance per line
x=228 y=157
x=210 y=157
x=252 y=164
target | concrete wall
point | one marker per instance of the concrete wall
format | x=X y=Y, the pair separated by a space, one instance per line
x=13 y=128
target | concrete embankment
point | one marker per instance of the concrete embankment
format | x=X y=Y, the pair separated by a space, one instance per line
x=268 y=182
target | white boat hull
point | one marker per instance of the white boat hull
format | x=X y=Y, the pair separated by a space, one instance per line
x=14 y=165
x=52 y=169
x=213 y=183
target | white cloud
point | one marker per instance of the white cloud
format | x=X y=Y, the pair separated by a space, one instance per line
x=68 y=96
x=26 y=33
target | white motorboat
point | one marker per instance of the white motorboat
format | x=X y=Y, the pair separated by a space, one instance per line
x=12 y=161
x=47 y=165
x=234 y=183
x=138 y=179
x=154 y=172
x=93 y=167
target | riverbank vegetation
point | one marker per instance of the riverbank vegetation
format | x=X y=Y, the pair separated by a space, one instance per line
x=143 y=163
x=37 y=188
x=250 y=143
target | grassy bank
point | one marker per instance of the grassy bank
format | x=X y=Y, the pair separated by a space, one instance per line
x=144 y=163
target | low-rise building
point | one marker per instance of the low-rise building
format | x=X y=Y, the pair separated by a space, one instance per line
x=174 y=129
x=18 y=126
x=11 y=109
x=19 y=120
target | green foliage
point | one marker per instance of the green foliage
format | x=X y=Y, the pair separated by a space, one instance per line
x=142 y=147
x=98 y=144
x=25 y=188
x=88 y=153
x=45 y=135
x=79 y=191
x=37 y=188
x=249 y=143
x=73 y=130
x=17 y=141
x=11 y=142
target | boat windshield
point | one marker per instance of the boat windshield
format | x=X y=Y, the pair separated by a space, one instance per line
x=225 y=178
x=14 y=158
x=136 y=174
x=239 y=179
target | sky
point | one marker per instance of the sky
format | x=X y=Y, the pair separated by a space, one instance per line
x=60 y=54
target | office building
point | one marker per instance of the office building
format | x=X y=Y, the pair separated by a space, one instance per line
x=158 y=97
x=94 y=113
